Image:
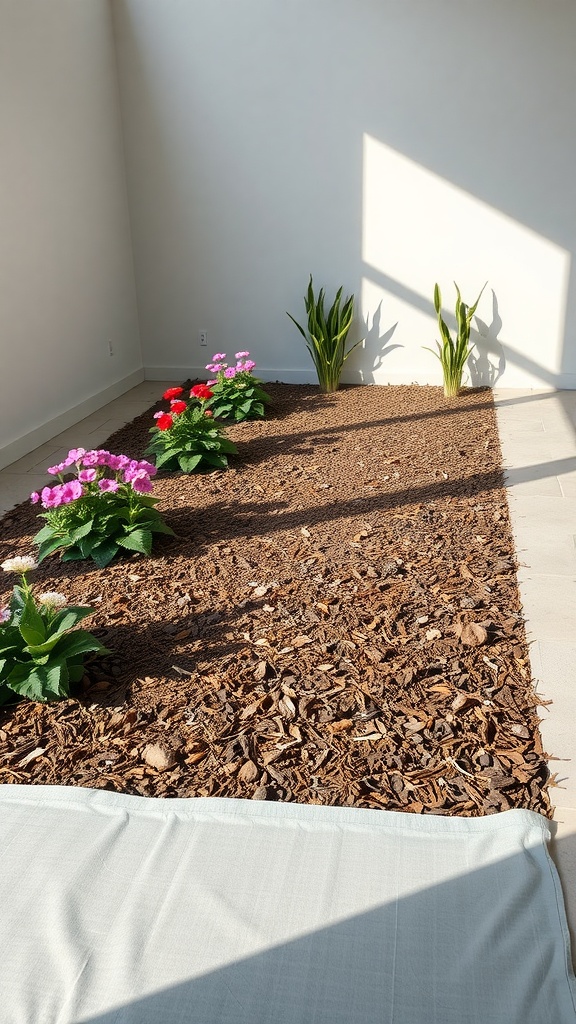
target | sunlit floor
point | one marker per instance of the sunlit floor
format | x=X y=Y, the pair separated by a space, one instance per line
x=538 y=435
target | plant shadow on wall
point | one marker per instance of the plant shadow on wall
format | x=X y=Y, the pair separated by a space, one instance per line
x=487 y=361
x=375 y=347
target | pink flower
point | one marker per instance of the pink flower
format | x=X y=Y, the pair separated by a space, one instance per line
x=246 y=366
x=71 y=491
x=209 y=383
x=208 y=414
x=142 y=483
x=60 y=468
x=108 y=485
x=91 y=459
x=5 y=615
x=87 y=475
x=211 y=367
x=118 y=462
x=241 y=355
x=75 y=454
x=147 y=467
x=157 y=415
x=217 y=356
x=230 y=372
x=34 y=497
x=51 y=496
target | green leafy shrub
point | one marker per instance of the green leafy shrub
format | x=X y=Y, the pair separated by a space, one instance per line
x=41 y=652
x=187 y=437
x=236 y=393
x=325 y=335
x=453 y=354
x=105 y=509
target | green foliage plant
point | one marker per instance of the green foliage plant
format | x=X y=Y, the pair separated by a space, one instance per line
x=236 y=393
x=188 y=436
x=325 y=335
x=104 y=509
x=41 y=652
x=453 y=354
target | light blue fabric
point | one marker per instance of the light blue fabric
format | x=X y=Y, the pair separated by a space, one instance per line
x=127 y=910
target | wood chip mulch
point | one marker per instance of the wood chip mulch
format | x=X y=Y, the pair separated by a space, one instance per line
x=337 y=621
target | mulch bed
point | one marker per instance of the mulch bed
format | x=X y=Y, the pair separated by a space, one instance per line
x=337 y=621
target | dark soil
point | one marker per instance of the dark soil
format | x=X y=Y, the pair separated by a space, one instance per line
x=336 y=622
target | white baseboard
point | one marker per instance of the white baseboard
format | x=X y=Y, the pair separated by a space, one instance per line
x=28 y=442
x=510 y=379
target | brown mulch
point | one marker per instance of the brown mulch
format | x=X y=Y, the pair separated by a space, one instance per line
x=337 y=621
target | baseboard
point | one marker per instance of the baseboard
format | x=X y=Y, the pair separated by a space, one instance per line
x=28 y=442
x=563 y=382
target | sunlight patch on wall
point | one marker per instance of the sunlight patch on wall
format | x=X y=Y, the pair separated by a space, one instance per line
x=418 y=228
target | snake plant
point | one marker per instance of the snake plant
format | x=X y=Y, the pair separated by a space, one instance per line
x=453 y=355
x=325 y=335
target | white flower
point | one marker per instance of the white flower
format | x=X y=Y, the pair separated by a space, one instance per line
x=21 y=563
x=4 y=615
x=52 y=599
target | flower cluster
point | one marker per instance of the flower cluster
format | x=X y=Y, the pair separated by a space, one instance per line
x=165 y=420
x=90 y=469
x=236 y=393
x=41 y=653
x=243 y=365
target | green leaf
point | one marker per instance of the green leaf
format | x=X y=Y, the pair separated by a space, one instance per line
x=72 y=555
x=69 y=617
x=78 y=642
x=42 y=682
x=31 y=625
x=81 y=531
x=46 y=533
x=47 y=547
x=188 y=463
x=138 y=540
x=104 y=553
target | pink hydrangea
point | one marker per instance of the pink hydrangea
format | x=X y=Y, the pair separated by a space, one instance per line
x=108 y=485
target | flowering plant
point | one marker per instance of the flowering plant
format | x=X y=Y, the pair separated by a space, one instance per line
x=105 y=508
x=40 y=651
x=187 y=436
x=236 y=393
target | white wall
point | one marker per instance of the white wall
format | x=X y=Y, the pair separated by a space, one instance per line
x=380 y=144
x=66 y=272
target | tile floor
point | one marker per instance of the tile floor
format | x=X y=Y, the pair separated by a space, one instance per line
x=538 y=436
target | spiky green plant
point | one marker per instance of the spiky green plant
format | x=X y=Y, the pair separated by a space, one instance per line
x=325 y=335
x=453 y=354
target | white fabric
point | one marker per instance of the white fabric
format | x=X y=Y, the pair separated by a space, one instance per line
x=126 y=910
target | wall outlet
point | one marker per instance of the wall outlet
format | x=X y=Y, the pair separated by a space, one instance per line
x=110 y=347
x=203 y=335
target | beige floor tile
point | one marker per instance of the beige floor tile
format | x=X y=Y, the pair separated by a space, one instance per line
x=563 y=851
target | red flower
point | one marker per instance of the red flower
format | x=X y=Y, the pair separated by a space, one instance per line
x=201 y=391
x=176 y=407
x=172 y=393
x=164 y=422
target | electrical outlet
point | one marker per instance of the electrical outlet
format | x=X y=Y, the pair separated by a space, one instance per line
x=203 y=335
x=110 y=347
